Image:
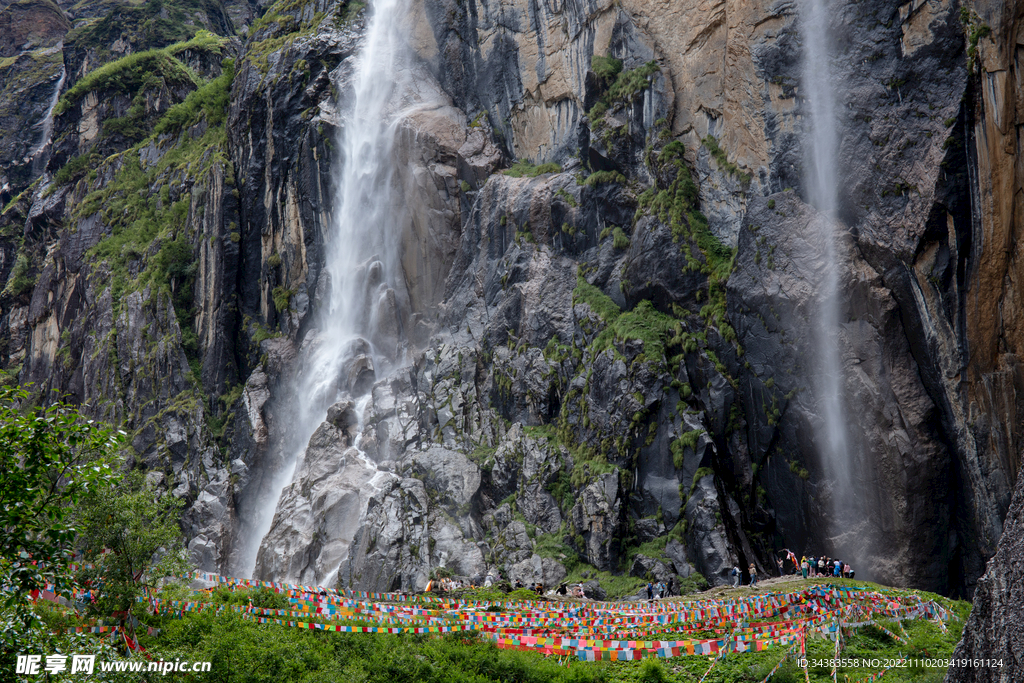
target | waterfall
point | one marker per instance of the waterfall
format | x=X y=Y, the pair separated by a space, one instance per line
x=46 y=125
x=359 y=331
x=821 y=147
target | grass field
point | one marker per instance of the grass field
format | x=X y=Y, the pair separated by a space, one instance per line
x=242 y=651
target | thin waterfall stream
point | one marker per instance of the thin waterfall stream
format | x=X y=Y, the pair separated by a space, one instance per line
x=822 y=179
x=358 y=336
x=46 y=124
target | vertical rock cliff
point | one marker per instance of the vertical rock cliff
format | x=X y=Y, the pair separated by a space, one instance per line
x=611 y=270
x=993 y=631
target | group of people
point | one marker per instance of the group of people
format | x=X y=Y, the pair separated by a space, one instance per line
x=825 y=566
x=658 y=590
x=752 y=570
x=573 y=591
x=815 y=566
x=444 y=584
x=536 y=587
x=812 y=567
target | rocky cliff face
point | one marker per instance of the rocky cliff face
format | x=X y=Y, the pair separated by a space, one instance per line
x=993 y=631
x=32 y=74
x=610 y=366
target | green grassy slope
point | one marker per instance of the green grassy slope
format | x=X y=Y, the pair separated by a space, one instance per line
x=243 y=651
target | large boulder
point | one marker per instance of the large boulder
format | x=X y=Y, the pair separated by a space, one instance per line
x=646 y=567
x=536 y=569
x=593 y=590
x=319 y=512
x=421 y=522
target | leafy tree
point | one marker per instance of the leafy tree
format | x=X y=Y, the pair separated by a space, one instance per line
x=50 y=458
x=129 y=534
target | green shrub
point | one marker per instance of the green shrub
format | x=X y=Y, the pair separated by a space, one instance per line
x=598 y=301
x=127 y=75
x=211 y=99
x=694 y=583
x=679 y=446
x=652 y=671
x=700 y=474
x=202 y=41
x=619 y=239
x=352 y=10
x=597 y=111
x=711 y=143
x=552 y=546
x=606 y=68
x=75 y=167
x=673 y=151
x=282 y=297
x=173 y=259
x=799 y=471
x=644 y=323
x=20 y=279
x=630 y=83
x=626 y=85
x=566 y=197
x=599 y=177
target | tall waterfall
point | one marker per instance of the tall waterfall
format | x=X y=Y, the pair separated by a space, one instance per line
x=821 y=146
x=358 y=335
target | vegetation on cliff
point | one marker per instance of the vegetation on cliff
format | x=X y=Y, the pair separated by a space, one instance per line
x=144 y=26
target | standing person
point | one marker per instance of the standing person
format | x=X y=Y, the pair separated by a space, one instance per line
x=650 y=590
x=838 y=569
x=753 y=574
x=804 y=566
x=821 y=566
x=780 y=562
x=735 y=577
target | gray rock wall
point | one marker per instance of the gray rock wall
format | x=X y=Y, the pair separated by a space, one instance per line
x=994 y=630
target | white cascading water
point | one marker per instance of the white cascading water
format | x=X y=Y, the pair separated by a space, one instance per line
x=46 y=125
x=359 y=329
x=821 y=149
